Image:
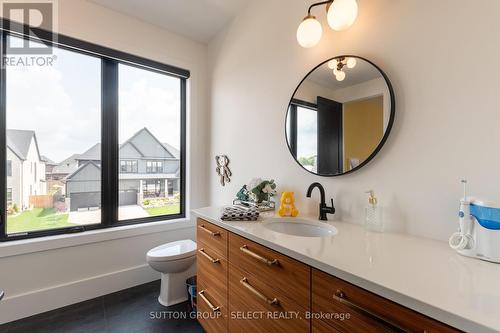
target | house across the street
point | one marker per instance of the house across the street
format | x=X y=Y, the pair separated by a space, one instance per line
x=25 y=168
x=148 y=169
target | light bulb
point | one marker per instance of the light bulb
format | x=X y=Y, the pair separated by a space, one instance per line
x=309 y=32
x=335 y=71
x=351 y=62
x=340 y=76
x=342 y=14
x=332 y=64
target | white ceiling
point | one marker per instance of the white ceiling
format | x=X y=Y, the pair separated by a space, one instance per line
x=199 y=20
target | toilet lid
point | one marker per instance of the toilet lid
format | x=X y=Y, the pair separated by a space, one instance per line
x=172 y=251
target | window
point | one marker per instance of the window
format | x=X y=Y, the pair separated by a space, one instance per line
x=44 y=105
x=150 y=111
x=128 y=166
x=58 y=112
x=302 y=133
x=307 y=135
x=154 y=167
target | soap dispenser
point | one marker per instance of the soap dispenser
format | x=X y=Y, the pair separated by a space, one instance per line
x=373 y=214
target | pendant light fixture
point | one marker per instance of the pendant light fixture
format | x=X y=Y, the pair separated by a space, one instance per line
x=341 y=14
x=339 y=65
x=309 y=32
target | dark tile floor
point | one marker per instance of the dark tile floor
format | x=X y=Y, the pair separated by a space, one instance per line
x=134 y=310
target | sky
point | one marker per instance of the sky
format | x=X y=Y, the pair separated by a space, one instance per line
x=62 y=103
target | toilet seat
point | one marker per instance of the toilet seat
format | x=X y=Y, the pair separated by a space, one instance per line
x=173 y=251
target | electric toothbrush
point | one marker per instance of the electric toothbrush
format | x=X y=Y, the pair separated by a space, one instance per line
x=462 y=239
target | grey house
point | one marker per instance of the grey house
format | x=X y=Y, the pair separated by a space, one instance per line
x=148 y=169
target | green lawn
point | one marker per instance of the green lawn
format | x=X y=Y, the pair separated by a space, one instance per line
x=165 y=210
x=46 y=218
x=37 y=219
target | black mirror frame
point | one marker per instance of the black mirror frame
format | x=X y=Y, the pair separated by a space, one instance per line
x=389 y=125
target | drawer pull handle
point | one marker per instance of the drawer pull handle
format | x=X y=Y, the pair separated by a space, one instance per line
x=214 y=261
x=252 y=254
x=341 y=297
x=257 y=293
x=205 y=299
x=212 y=233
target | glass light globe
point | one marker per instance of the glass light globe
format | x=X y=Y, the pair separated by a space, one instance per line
x=340 y=76
x=351 y=62
x=332 y=64
x=335 y=71
x=342 y=14
x=309 y=32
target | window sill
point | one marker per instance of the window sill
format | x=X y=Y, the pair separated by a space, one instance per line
x=14 y=248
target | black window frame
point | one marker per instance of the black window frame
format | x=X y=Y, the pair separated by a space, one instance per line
x=110 y=163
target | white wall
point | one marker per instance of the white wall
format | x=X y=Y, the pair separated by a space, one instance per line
x=28 y=182
x=14 y=181
x=441 y=57
x=49 y=279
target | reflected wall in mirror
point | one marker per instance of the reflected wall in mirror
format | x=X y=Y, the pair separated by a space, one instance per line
x=340 y=116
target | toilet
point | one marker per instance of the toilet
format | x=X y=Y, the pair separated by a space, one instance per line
x=175 y=261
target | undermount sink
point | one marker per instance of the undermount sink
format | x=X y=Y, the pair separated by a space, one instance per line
x=300 y=227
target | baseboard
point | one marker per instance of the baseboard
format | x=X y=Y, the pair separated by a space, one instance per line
x=38 y=301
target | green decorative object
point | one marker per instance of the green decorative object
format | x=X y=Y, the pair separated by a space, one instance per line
x=264 y=191
x=257 y=193
x=243 y=194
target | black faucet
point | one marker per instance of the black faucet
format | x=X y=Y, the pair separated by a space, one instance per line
x=323 y=208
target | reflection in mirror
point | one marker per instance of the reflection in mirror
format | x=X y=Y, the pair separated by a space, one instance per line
x=339 y=116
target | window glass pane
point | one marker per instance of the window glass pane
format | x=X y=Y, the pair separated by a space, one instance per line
x=53 y=143
x=149 y=134
x=307 y=137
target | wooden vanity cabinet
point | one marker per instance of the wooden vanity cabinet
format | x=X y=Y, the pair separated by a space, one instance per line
x=368 y=312
x=270 y=286
x=212 y=270
x=286 y=275
x=247 y=287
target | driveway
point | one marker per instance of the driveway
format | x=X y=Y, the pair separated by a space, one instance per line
x=131 y=212
x=94 y=216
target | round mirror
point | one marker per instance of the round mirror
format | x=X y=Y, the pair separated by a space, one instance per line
x=340 y=116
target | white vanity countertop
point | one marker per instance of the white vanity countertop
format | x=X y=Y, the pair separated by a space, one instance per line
x=422 y=274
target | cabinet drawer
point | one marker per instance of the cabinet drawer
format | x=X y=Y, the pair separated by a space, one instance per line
x=282 y=273
x=211 y=314
x=212 y=236
x=212 y=274
x=319 y=326
x=256 y=307
x=368 y=312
